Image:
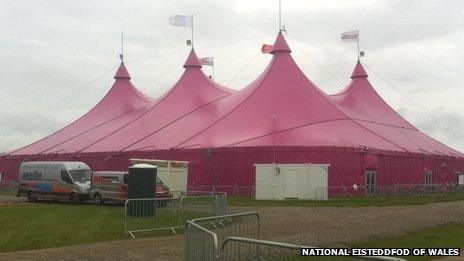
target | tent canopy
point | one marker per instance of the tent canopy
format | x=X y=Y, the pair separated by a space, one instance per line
x=282 y=107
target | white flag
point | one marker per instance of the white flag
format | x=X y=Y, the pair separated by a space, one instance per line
x=209 y=61
x=181 y=20
x=350 y=36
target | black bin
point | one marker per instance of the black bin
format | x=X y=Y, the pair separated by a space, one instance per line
x=142 y=185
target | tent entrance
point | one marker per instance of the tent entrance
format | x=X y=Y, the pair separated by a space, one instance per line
x=371 y=180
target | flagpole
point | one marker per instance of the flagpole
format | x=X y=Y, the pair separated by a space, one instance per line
x=192 y=31
x=122 y=47
x=280 y=15
x=358 y=46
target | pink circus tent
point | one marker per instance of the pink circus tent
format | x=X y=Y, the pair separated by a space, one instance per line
x=280 y=117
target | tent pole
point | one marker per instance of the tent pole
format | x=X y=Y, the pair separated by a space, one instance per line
x=273 y=138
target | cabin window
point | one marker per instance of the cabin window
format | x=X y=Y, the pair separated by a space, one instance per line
x=65 y=177
x=371 y=180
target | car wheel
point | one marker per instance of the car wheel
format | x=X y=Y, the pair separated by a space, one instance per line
x=74 y=199
x=97 y=199
x=31 y=197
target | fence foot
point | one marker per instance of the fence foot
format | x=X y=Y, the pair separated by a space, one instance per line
x=131 y=235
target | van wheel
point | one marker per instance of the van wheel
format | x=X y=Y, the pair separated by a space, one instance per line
x=31 y=197
x=74 y=199
x=97 y=199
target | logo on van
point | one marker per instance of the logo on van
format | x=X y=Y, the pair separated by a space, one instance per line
x=34 y=175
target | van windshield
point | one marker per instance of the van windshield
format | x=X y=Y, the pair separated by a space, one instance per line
x=82 y=175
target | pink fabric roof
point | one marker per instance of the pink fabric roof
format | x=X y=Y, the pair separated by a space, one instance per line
x=282 y=107
x=193 y=90
x=122 y=98
x=361 y=103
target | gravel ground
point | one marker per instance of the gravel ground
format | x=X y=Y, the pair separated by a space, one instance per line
x=330 y=225
x=9 y=200
x=309 y=226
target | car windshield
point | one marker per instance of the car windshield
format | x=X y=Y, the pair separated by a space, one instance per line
x=81 y=175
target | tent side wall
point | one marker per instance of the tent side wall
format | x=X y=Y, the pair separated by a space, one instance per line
x=232 y=170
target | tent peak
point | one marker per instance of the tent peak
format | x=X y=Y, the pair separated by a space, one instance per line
x=280 y=45
x=359 y=71
x=122 y=72
x=192 y=60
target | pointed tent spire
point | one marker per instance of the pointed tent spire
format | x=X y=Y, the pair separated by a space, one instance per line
x=122 y=73
x=280 y=45
x=192 y=60
x=359 y=71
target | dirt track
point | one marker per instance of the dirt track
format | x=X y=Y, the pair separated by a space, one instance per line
x=309 y=226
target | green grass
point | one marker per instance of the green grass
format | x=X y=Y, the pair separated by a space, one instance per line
x=45 y=225
x=445 y=236
x=344 y=202
x=449 y=235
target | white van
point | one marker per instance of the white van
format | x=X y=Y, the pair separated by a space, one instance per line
x=54 y=180
x=111 y=186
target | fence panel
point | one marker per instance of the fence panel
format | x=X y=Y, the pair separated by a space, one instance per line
x=445 y=189
x=235 y=237
x=8 y=187
x=200 y=243
x=216 y=229
x=237 y=225
x=237 y=248
x=144 y=215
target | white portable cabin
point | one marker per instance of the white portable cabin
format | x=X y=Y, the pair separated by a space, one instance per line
x=173 y=173
x=291 y=181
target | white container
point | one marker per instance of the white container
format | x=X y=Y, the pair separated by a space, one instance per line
x=291 y=181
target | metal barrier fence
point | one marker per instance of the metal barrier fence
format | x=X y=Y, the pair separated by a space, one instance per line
x=235 y=237
x=8 y=187
x=203 y=235
x=397 y=190
x=238 y=248
x=151 y=214
x=445 y=189
x=232 y=191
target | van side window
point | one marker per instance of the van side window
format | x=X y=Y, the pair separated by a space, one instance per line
x=65 y=177
x=110 y=179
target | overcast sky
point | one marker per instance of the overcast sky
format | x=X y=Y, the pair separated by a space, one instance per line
x=58 y=58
